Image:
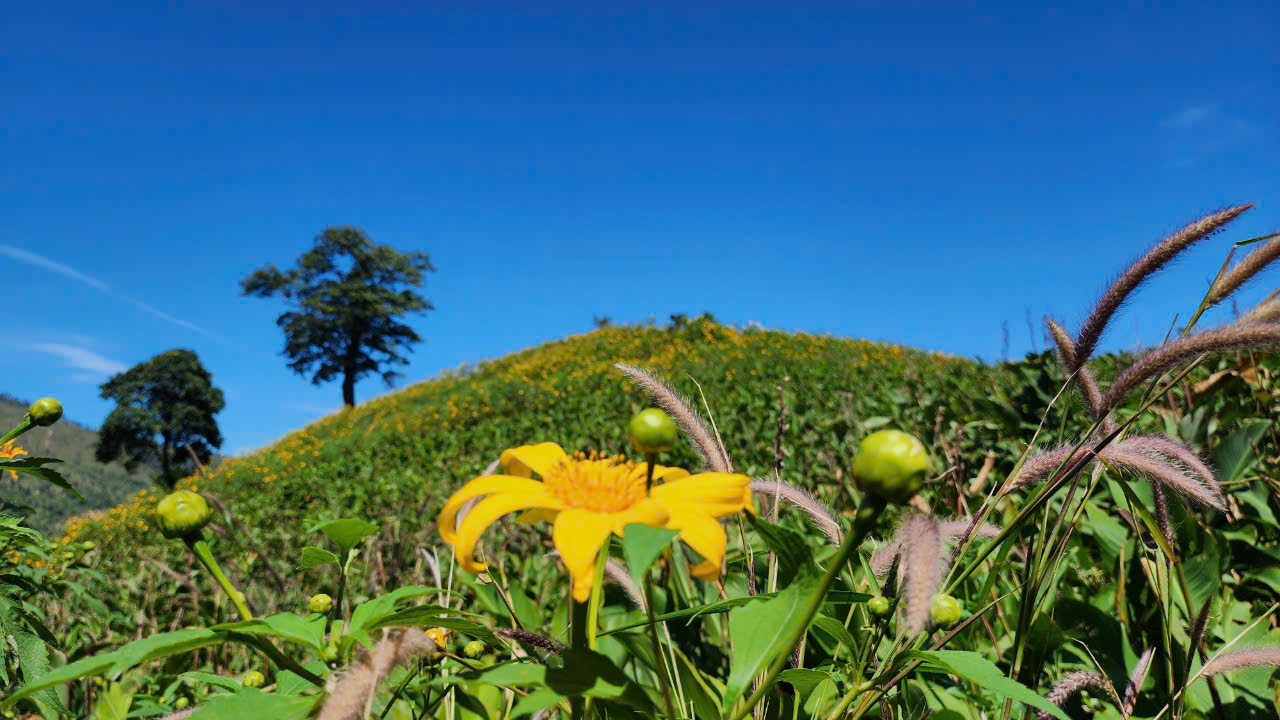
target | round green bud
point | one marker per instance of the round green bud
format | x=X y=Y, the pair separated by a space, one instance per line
x=45 y=411
x=945 y=611
x=182 y=513
x=330 y=653
x=253 y=679
x=320 y=603
x=878 y=605
x=890 y=464
x=67 y=555
x=652 y=431
x=88 y=545
x=181 y=703
x=473 y=649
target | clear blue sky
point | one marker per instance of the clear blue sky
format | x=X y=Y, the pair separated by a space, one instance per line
x=917 y=176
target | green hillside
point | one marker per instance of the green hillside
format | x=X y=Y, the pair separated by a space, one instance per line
x=103 y=485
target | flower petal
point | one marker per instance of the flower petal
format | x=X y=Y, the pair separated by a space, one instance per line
x=716 y=494
x=484 y=485
x=530 y=517
x=527 y=459
x=661 y=473
x=489 y=510
x=704 y=534
x=578 y=535
x=646 y=512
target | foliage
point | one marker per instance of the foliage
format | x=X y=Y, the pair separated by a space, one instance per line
x=164 y=410
x=348 y=295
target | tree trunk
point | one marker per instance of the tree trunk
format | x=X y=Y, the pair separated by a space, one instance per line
x=349 y=388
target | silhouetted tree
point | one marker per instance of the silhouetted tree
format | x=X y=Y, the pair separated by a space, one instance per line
x=163 y=405
x=347 y=296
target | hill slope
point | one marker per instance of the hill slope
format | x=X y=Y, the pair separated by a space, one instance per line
x=103 y=485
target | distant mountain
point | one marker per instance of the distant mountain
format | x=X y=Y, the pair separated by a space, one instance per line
x=103 y=485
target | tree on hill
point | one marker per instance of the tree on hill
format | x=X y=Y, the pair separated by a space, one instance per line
x=347 y=296
x=163 y=406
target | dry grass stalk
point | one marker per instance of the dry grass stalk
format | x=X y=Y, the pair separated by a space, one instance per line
x=351 y=698
x=1151 y=262
x=713 y=455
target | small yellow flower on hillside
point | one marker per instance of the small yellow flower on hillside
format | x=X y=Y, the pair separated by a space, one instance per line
x=10 y=451
x=587 y=498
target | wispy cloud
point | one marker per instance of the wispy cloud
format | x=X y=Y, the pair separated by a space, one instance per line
x=82 y=359
x=41 y=261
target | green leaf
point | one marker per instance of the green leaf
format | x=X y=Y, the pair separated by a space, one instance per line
x=367 y=614
x=539 y=699
x=346 y=533
x=253 y=703
x=290 y=683
x=112 y=704
x=758 y=632
x=694 y=612
x=427 y=616
x=210 y=679
x=983 y=673
x=584 y=673
x=641 y=545
x=33 y=659
x=35 y=466
x=314 y=557
x=816 y=689
x=116 y=662
x=788 y=545
x=288 y=626
x=835 y=629
x=1235 y=455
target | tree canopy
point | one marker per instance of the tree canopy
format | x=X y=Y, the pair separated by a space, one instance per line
x=347 y=297
x=163 y=406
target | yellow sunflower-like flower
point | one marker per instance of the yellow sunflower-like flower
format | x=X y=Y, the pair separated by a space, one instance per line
x=10 y=451
x=587 y=498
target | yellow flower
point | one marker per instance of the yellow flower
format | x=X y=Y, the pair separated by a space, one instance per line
x=11 y=451
x=587 y=498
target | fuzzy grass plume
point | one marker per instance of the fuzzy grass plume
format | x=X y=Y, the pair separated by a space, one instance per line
x=1243 y=271
x=1136 y=680
x=804 y=502
x=1072 y=684
x=712 y=453
x=1241 y=660
x=1151 y=262
x=352 y=696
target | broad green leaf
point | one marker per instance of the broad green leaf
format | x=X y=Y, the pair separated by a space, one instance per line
x=33 y=659
x=816 y=689
x=693 y=612
x=1235 y=455
x=759 y=630
x=982 y=672
x=788 y=545
x=314 y=557
x=226 y=683
x=1258 y=497
x=116 y=662
x=290 y=683
x=423 y=616
x=641 y=545
x=539 y=699
x=835 y=629
x=346 y=533
x=366 y=614
x=288 y=626
x=584 y=673
x=253 y=703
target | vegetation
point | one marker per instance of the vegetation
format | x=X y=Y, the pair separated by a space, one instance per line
x=1070 y=553
x=348 y=295
x=164 y=414
x=103 y=485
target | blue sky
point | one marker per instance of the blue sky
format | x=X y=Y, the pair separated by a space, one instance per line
x=915 y=175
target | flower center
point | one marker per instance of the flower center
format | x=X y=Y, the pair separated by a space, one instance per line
x=599 y=484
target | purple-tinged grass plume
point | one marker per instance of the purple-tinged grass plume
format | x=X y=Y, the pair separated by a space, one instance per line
x=884 y=558
x=543 y=646
x=1151 y=262
x=1267 y=311
x=1195 y=638
x=1163 y=358
x=1241 y=660
x=1136 y=680
x=713 y=455
x=1073 y=683
x=1083 y=376
x=352 y=696
x=804 y=502
x=919 y=555
x=1253 y=263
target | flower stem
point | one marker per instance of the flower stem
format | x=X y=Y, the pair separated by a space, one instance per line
x=649 y=460
x=863 y=521
x=578 y=641
x=657 y=648
x=200 y=548
x=23 y=426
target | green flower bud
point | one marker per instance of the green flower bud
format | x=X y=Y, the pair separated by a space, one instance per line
x=182 y=513
x=88 y=545
x=330 y=653
x=320 y=603
x=890 y=464
x=878 y=605
x=945 y=611
x=473 y=649
x=253 y=679
x=652 y=431
x=181 y=703
x=45 y=411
